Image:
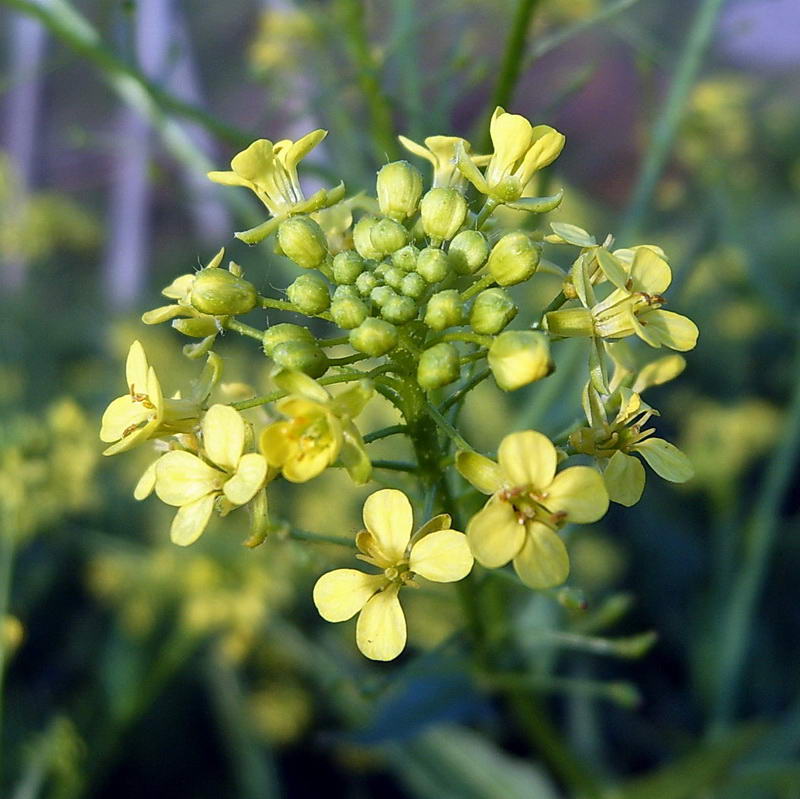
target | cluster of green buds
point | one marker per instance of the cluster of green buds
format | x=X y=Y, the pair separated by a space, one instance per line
x=417 y=288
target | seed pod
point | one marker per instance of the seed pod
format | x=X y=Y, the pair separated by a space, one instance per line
x=387 y=236
x=445 y=309
x=443 y=212
x=216 y=291
x=438 y=366
x=513 y=259
x=519 y=357
x=347 y=266
x=304 y=356
x=302 y=240
x=491 y=311
x=399 y=309
x=433 y=265
x=399 y=187
x=278 y=334
x=468 y=252
x=374 y=337
x=349 y=312
x=309 y=294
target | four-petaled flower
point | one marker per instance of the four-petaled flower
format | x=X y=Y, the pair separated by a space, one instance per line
x=528 y=503
x=441 y=152
x=318 y=431
x=226 y=475
x=435 y=552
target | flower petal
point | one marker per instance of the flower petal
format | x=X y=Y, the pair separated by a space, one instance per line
x=340 y=594
x=276 y=443
x=658 y=372
x=121 y=414
x=223 y=436
x=650 y=272
x=303 y=466
x=495 y=534
x=543 y=561
x=354 y=455
x=624 y=478
x=527 y=459
x=147 y=482
x=443 y=557
x=182 y=478
x=671 y=329
x=381 y=628
x=666 y=460
x=293 y=382
x=483 y=473
x=580 y=493
x=191 y=520
x=389 y=517
x=136 y=368
x=249 y=477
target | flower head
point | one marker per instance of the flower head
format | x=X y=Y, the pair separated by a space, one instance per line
x=441 y=152
x=195 y=484
x=318 y=430
x=528 y=503
x=435 y=552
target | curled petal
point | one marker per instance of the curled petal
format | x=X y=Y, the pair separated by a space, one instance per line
x=443 y=556
x=248 y=479
x=381 y=628
x=340 y=594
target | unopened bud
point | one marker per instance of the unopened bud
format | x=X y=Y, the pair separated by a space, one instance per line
x=519 y=357
x=445 y=309
x=399 y=187
x=216 y=291
x=365 y=282
x=309 y=294
x=374 y=337
x=513 y=259
x=438 y=366
x=303 y=356
x=413 y=285
x=443 y=212
x=302 y=240
x=406 y=257
x=433 y=265
x=394 y=277
x=380 y=295
x=278 y=334
x=340 y=292
x=347 y=266
x=349 y=312
x=399 y=309
x=387 y=236
x=491 y=311
x=468 y=252
x=362 y=238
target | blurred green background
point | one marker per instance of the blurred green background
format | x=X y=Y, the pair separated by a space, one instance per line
x=135 y=668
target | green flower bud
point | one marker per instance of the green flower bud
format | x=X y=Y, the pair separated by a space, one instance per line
x=302 y=240
x=278 y=334
x=217 y=291
x=374 y=337
x=413 y=285
x=491 y=311
x=399 y=309
x=341 y=292
x=438 y=366
x=513 y=259
x=379 y=270
x=445 y=309
x=303 y=356
x=519 y=357
x=347 y=266
x=365 y=282
x=443 y=212
x=406 y=258
x=433 y=265
x=387 y=236
x=309 y=294
x=468 y=252
x=362 y=238
x=349 y=312
x=394 y=277
x=380 y=295
x=197 y=327
x=399 y=187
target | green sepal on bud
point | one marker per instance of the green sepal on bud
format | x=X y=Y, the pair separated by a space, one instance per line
x=491 y=311
x=309 y=294
x=399 y=187
x=302 y=240
x=433 y=265
x=278 y=334
x=514 y=259
x=519 y=357
x=442 y=212
x=362 y=238
x=221 y=293
x=388 y=236
x=374 y=337
x=196 y=327
x=399 y=309
x=438 y=366
x=347 y=266
x=468 y=252
x=349 y=312
x=302 y=356
x=406 y=258
x=445 y=309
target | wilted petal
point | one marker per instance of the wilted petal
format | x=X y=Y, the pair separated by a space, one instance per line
x=223 y=436
x=666 y=460
x=381 y=628
x=340 y=594
x=624 y=478
x=443 y=556
x=495 y=534
x=543 y=561
x=191 y=520
x=389 y=517
x=249 y=477
x=580 y=493
x=527 y=459
x=182 y=478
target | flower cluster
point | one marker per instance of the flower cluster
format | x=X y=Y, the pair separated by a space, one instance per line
x=416 y=286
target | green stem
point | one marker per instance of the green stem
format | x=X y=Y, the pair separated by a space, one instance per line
x=458 y=396
x=279 y=305
x=554 y=304
x=244 y=330
x=395 y=466
x=469 y=338
x=473 y=356
x=447 y=428
x=384 y=432
x=479 y=285
x=319 y=538
x=486 y=212
x=345 y=360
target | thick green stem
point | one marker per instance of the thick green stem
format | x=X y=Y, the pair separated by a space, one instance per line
x=478 y=286
x=244 y=330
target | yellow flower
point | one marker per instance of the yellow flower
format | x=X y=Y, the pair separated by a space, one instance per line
x=143 y=413
x=318 y=431
x=436 y=553
x=441 y=152
x=193 y=484
x=520 y=150
x=528 y=503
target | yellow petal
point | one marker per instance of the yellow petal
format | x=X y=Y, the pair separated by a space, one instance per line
x=658 y=372
x=495 y=534
x=389 y=517
x=418 y=149
x=624 y=478
x=650 y=272
x=297 y=405
x=482 y=472
x=121 y=414
x=182 y=478
x=340 y=594
x=511 y=136
x=276 y=443
x=223 y=436
x=293 y=382
x=255 y=163
x=671 y=329
x=543 y=561
x=527 y=459
x=666 y=460
x=147 y=482
x=249 y=477
x=305 y=465
x=191 y=520
x=381 y=628
x=228 y=179
x=136 y=368
x=443 y=557
x=580 y=493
